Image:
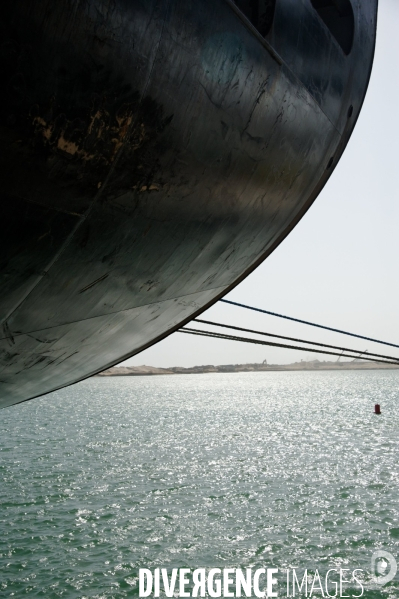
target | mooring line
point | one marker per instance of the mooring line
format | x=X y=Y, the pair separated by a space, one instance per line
x=312 y=324
x=347 y=349
x=270 y=343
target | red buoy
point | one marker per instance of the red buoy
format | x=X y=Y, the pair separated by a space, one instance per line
x=377 y=409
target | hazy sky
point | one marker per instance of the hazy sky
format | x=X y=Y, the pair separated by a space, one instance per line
x=339 y=266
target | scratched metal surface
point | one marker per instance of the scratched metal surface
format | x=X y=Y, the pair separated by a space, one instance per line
x=152 y=154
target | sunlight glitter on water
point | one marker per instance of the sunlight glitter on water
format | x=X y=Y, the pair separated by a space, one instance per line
x=283 y=469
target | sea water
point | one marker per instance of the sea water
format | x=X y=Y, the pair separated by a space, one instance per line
x=249 y=470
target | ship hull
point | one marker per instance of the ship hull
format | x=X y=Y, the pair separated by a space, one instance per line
x=152 y=155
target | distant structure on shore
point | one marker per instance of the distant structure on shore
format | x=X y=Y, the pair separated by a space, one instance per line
x=264 y=367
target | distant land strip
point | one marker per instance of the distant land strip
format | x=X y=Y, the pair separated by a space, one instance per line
x=310 y=365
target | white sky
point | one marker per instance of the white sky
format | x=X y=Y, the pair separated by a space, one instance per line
x=338 y=267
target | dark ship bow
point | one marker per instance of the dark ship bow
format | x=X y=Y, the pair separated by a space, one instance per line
x=153 y=153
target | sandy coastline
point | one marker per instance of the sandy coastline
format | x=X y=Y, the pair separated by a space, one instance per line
x=311 y=365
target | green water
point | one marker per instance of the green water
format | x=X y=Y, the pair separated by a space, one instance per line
x=280 y=469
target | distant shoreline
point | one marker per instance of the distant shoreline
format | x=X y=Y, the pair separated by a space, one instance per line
x=314 y=365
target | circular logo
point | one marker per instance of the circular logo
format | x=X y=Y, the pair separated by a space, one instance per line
x=383 y=567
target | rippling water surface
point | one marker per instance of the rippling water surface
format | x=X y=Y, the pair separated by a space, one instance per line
x=283 y=469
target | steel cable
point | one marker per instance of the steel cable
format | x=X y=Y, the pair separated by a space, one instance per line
x=347 y=349
x=270 y=343
x=312 y=324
